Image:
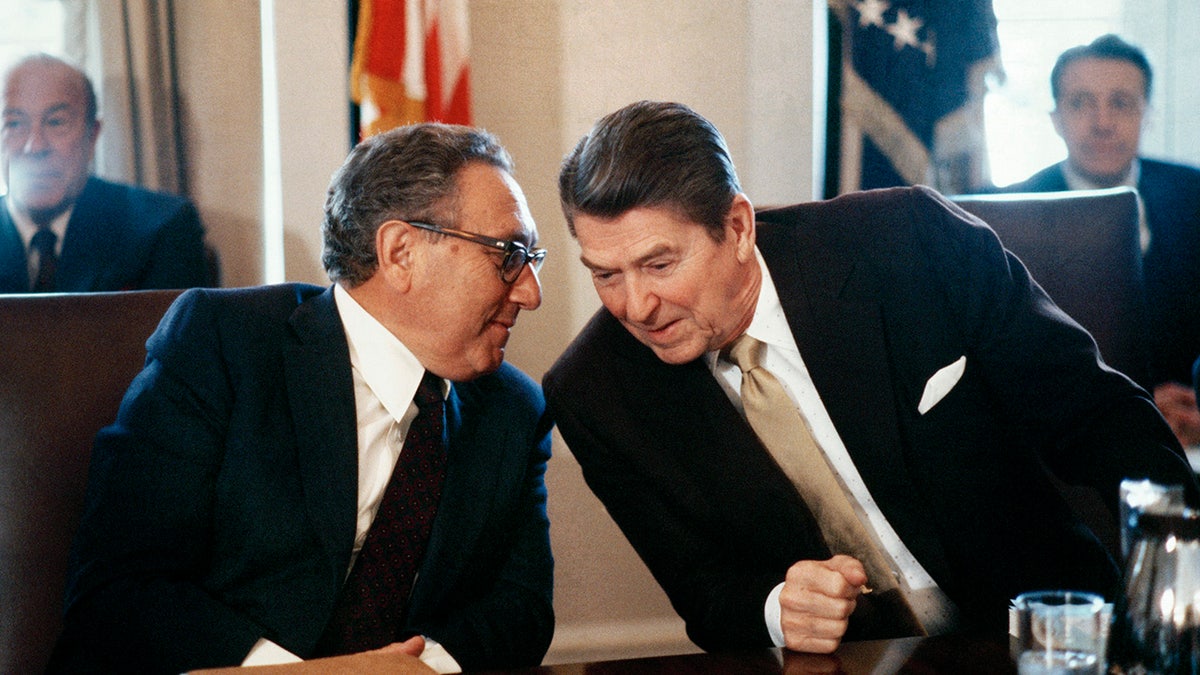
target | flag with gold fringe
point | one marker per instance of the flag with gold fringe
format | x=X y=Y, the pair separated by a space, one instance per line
x=411 y=63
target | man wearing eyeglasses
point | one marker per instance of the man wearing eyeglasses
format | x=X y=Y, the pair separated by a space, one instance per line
x=303 y=471
x=1101 y=92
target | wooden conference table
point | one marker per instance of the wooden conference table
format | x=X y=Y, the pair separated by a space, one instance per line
x=944 y=655
x=916 y=656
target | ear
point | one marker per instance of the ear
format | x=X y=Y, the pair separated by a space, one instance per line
x=1056 y=119
x=740 y=225
x=93 y=136
x=395 y=249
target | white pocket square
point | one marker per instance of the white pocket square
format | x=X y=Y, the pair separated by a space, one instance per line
x=941 y=383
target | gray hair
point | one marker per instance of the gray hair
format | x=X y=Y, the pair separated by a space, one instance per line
x=407 y=173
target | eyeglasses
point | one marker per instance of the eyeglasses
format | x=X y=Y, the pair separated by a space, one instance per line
x=516 y=256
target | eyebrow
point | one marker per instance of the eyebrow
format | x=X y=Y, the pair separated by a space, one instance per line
x=658 y=250
x=56 y=108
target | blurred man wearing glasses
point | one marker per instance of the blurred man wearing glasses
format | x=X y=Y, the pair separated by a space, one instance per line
x=303 y=471
x=1101 y=91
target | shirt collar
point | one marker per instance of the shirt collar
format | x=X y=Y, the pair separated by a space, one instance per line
x=27 y=228
x=769 y=324
x=393 y=372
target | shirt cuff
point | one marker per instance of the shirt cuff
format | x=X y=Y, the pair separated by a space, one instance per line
x=435 y=656
x=774 y=616
x=267 y=653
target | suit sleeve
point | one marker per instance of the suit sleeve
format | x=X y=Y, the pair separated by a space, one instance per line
x=134 y=598
x=1091 y=425
x=718 y=534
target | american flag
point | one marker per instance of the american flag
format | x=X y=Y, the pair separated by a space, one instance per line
x=913 y=79
x=411 y=63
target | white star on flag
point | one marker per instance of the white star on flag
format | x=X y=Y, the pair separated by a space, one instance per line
x=870 y=12
x=905 y=30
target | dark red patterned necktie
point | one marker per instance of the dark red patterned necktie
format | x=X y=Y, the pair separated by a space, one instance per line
x=371 y=607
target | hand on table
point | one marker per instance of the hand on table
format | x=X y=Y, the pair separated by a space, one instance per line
x=817 y=599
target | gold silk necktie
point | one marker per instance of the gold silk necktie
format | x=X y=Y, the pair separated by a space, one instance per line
x=783 y=431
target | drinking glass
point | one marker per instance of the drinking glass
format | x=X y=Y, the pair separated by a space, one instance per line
x=1060 y=632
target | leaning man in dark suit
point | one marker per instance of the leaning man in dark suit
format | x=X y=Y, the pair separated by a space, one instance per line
x=62 y=230
x=303 y=471
x=1101 y=93
x=829 y=421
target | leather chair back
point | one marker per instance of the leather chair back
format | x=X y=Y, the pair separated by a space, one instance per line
x=1082 y=247
x=65 y=362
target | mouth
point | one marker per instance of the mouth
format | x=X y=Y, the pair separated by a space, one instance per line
x=660 y=334
x=503 y=327
x=35 y=176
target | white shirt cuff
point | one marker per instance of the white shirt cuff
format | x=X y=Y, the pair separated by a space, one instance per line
x=267 y=653
x=774 y=616
x=435 y=656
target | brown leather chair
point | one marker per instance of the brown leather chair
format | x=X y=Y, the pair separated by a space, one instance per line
x=65 y=362
x=1082 y=247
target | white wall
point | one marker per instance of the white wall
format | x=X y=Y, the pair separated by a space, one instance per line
x=1166 y=29
x=542 y=72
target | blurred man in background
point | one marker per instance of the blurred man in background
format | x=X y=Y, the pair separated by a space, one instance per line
x=1101 y=92
x=62 y=230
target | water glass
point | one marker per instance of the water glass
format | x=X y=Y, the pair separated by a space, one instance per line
x=1060 y=633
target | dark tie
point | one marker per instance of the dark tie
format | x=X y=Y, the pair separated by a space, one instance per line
x=43 y=242
x=370 y=609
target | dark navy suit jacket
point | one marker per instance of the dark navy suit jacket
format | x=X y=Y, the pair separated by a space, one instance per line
x=881 y=290
x=221 y=505
x=1171 y=266
x=118 y=238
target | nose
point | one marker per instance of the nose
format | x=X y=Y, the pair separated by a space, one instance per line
x=35 y=140
x=640 y=301
x=526 y=291
x=1104 y=117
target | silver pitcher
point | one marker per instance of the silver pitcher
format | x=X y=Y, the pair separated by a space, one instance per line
x=1156 y=623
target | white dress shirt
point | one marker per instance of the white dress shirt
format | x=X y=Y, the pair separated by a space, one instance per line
x=383 y=401
x=782 y=358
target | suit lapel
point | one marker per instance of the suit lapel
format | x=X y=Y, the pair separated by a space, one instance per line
x=834 y=313
x=471 y=466
x=320 y=391
x=88 y=246
x=833 y=307
x=694 y=432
